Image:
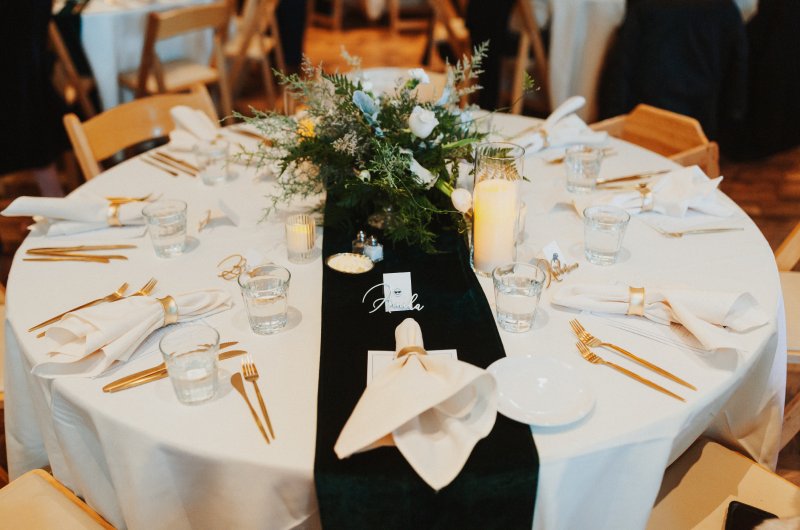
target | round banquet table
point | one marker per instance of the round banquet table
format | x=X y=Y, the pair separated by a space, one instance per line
x=145 y=461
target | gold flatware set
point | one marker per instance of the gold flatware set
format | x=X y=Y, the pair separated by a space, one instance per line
x=587 y=340
x=76 y=253
x=169 y=164
x=160 y=371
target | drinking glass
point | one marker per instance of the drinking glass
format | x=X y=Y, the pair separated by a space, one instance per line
x=300 y=237
x=603 y=232
x=190 y=353
x=517 y=290
x=498 y=169
x=583 y=167
x=265 y=291
x=212 y=161
x=166 y=222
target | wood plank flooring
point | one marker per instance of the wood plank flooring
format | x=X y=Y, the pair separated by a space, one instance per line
x=768 y=190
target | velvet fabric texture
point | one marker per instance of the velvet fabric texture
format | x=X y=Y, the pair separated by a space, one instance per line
x=378 y=488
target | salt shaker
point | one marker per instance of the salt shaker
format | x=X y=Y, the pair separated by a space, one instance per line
x=373 y=250
x=359 y=242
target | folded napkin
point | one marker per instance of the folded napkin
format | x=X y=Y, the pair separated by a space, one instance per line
x=555 y=138
x=86 y=342
x=674 y=194
x=716 y=318
x=191 y=125
x=75 y=215
x=433 y=409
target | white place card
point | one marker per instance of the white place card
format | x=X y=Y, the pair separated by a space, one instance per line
x=377 y=360
x=397 y=292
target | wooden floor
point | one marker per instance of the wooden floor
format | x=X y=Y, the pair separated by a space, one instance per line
x=769 y=190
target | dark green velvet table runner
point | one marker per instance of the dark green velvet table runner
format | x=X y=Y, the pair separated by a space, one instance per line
x=378 y=489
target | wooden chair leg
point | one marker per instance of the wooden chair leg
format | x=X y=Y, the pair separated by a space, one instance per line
x=520 y=66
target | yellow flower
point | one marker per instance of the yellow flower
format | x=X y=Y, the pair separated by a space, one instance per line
x=305 y=128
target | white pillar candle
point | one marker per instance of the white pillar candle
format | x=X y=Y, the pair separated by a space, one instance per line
x=495 y=208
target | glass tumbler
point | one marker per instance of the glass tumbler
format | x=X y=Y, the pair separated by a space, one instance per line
x=212 y=161
x=583 y=167
x=517 y=290
x=265 y=291
x=166 y=222
x=190 y=353
x=603 y=231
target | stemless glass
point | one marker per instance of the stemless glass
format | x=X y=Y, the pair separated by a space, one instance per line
x=603 y=232
x=498 y=169
x=583 y=167
x=212 y=160
x=166 y=222
x=517 y=290
x=265 y=291
x=190 y=353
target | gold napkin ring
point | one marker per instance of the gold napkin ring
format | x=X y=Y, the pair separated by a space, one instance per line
x=170 y=310
x=410 y=349
x=647 y=198
x=636 y=301
x=113 y=215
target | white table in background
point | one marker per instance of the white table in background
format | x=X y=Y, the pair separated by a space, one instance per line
x=112 y=33
x=147 y=462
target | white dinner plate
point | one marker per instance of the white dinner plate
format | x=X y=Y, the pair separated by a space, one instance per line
x=540 y=390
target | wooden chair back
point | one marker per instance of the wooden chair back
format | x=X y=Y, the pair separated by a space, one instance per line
x=452 y=26
x=81 y=86
x=787 y=256
x=144 y=119
x=673 y=135
x=332 y=21
x=258 y=38
x=167 y=24
x=530 y=40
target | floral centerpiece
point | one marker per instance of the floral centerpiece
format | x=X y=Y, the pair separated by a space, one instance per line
x=370 y=151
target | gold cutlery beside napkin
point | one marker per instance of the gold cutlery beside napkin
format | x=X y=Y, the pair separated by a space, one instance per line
x=86 y=342
x=717 y=319
x=434 y=409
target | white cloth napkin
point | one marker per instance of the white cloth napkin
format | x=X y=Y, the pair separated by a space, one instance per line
x=674 y=194
x=570 y=130
x=73 y=215
x=433 y=409
x=191 y=125
x=718 y=319
x=87 y=342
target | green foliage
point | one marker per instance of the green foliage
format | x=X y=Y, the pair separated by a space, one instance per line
x=362 y=148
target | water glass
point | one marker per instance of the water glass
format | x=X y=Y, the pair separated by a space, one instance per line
x=166 y=222
x=517 y=290
x=212 y=161
x=300 y=238
x=583 y=167
x=265 y=291
x=190 y=353
x=603 y=232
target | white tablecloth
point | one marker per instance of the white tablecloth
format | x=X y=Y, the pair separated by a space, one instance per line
x=112 y=33
x=146 y=462
x=580 y=32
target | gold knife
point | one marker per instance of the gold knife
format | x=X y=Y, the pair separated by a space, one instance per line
x=158 y=372
x=178 y=161
x=92 y=259
x=80 y=248
x=158 y=166
x=626 y=178
x=167 y=162
x=76 y=255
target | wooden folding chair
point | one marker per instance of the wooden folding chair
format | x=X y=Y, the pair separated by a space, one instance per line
x=142 y=119
x=74 y=86
x=678 y=137
x=156 y=77
x=449 y=27
x=257 y=37
x=530 y=39
x=787 y=256
x=37 y=500
x=398 y=22
x=331 y=21
x=698 y=487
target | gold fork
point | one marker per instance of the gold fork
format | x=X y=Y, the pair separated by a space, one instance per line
x=590 y=356
x=251 y=374
x=590 y=340
x=238 y=384
x=692 y=231
x=116 y=295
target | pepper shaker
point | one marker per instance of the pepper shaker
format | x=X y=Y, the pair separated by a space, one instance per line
x=359 y=242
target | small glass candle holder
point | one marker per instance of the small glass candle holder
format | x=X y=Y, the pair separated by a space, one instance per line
x=300 y=238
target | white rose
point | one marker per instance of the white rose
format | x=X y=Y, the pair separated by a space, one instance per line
x=423 y=176
x=462 y=200
x=420 y=75
x=364 y=175
x=422 y=122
